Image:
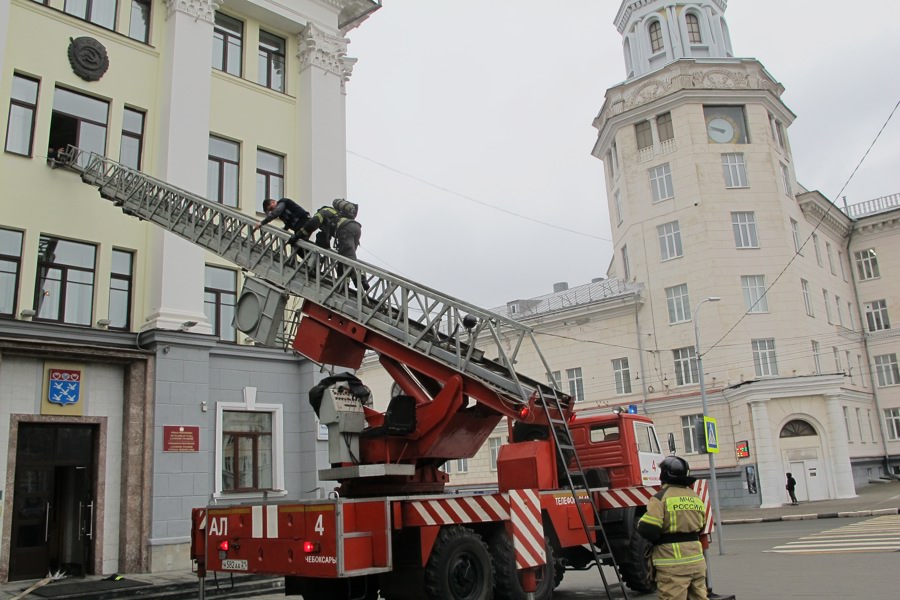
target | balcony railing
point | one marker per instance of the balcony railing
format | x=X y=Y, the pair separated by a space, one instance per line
x=871 y=207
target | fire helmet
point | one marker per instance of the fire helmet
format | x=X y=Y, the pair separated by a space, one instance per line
x=673 y=469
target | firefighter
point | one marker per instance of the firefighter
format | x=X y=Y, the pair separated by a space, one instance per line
x=337 y=222
x=674 y=519
x=291 y=214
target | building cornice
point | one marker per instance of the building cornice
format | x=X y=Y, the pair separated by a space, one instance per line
x=199 y=9
x=764 y=390
x=326 y=51
x=817 y=209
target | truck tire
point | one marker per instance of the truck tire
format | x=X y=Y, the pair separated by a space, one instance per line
x=313 y=588
x=459 y=567
x=506 y=578
x=636 y=568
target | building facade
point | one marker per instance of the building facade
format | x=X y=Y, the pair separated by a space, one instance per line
x=720 y=253
x=127 y=395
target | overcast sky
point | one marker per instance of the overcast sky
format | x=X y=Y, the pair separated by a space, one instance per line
x=463 y=114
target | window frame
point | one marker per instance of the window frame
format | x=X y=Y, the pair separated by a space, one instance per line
x=128 y=280
x=139 y=136
x=744 y=230
x=765 y=360
x=786 y=180
x=754 y=286
x=694 y=31
x=678 y=297
x=877 y=317
x=665 y=128
x=626 y=263
x=16 y=260
x=215 y=320
x=687 y=371
x=80 y=120
x=661 y=186
x=815 y=240
x=88 y=14
x=643 y=132
x=887 y=372
x=33 y=108
x=622 y=375
x=867 y=264
x=734 y=169
x=270 y=57
x=575 y=382
x=795 y=233
x=807 y=299
x=494 y=445
x=689 y=433
x=830 y=256
x=221 y=161
x=817 y=356
x=655 y=37
x=250 y=405
x=65 y=282
x=846 y=412
x=269 y=176
x=227 y=36
x=146 y=27
x=892 y=423
x=670 y=246
x=617 y=201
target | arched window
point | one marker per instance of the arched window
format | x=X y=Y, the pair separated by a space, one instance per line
x=656 y=40
x=693 y=28
x=797 y=428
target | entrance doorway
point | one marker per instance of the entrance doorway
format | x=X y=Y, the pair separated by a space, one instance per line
x=53 y=501
x=810 y=482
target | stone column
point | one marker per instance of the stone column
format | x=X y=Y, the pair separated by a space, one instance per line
x=769 y=464
x=176 y=267
x=835 y=440
x=322 y=116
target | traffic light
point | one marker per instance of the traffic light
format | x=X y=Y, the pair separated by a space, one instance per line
x=700 y=435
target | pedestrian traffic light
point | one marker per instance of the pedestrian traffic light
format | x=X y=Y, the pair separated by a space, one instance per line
x=700 y=435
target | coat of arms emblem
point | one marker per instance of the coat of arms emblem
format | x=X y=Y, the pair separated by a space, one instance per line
x=65 y=386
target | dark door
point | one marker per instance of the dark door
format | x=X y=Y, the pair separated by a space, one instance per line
x=53 y=503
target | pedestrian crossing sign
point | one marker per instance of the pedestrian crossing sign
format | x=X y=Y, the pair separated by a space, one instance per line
x=712 y=434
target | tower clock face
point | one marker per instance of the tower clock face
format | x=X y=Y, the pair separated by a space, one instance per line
x=725 y=124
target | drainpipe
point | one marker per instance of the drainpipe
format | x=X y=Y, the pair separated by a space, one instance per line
x=637 y=328
x=865 y=340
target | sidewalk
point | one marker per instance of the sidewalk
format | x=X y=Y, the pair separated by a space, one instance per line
x=873 y=499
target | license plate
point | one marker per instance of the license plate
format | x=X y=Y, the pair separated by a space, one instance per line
x=234 y=565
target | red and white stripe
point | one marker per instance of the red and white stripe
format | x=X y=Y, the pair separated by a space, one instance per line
x=702 y=489
x=624 y=497
x=528 y=530
x=462 y=509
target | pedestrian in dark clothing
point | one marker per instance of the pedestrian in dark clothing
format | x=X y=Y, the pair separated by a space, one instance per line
x=791 y=484
x=291 y=214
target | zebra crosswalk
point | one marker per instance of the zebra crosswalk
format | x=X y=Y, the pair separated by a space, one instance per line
x=881 y=534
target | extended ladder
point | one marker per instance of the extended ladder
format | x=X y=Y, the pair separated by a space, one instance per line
x=416 y=316
x=577 y=483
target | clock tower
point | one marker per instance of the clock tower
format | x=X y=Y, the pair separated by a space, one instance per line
x=704 y=203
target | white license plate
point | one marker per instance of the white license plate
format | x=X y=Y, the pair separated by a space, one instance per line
x=234 y=565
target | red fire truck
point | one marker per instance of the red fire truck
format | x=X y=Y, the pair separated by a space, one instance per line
x=570 y=487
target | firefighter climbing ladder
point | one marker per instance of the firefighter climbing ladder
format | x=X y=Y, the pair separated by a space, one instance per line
x=415 y=316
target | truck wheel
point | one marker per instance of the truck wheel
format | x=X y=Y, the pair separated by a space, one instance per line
x=635 y=569
x=559 y=572
x=459 y=567
x=507 y=585
x=312 y=588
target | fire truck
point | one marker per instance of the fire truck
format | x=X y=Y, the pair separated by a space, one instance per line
x=570 y=486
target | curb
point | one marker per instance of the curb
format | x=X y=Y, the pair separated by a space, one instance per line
x=829 y=515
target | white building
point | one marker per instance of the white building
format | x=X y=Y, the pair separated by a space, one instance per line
x=236 y=102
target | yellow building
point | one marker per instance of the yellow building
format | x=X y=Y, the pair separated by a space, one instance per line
x=127 y=395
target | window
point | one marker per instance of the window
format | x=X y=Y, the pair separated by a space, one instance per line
x=849 y=366
x=830 y=257
x=837 y=360
x=645 y=436
x=686 y=371
x=656 y=41
x=139 y=27
x=271 y=61
x=867 y=264
x=785 y=180
x=693 y=28
x=778 y=130
x=807 y=301
x=744 y=225
x=223 y=170
x=827 y=306
x=132 y=139
x=120 y=285
x=669 y=241
x=494 y=443
x=661 y=183
x=22 y=108
x=734 y=169
x=622 y=375
x=644 y=135
x=576 y=385
x=869 y=419
x=10 y=266
x=65 y=281
x=462 y=465
x=886 y=370
x=249 y=446
x=862 y=372
x=817 y=358
x=614 y=160
x=98 y=12
x=795 y=233
x=841 y=265
x=556 y=379
x=796 y=428
x=269 y=176
x=892 y=420
x=764 y=358
x=815 y=239
x=664 y=127
x=877 y=316
x=617 y=197
x=837 y=308
x=80 y=121
x=220 y=295
x=689 y=432
x=626 y=264
x=679 y=304
x=227 y=44
x=754 y=287
x=847 y=422
x=850 y=315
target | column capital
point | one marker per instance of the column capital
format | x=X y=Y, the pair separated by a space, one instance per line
x=199 y=9
x=326 y=51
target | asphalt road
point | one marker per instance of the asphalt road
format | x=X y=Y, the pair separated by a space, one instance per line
x=822 y=559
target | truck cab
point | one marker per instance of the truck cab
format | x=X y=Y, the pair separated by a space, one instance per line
x=617 y=450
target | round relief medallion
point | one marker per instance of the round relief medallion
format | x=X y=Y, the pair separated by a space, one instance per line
x=88 y=58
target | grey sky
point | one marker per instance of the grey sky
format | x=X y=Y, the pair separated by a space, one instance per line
x=457 y=105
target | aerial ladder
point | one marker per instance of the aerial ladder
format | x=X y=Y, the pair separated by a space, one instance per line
x=435 y=347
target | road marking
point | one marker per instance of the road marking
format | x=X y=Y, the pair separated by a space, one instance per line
x=879 y=534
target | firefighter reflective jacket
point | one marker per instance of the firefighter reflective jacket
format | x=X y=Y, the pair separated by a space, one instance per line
x=674 y=519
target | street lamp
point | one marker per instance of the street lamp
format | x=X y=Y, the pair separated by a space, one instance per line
x=712 y=457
